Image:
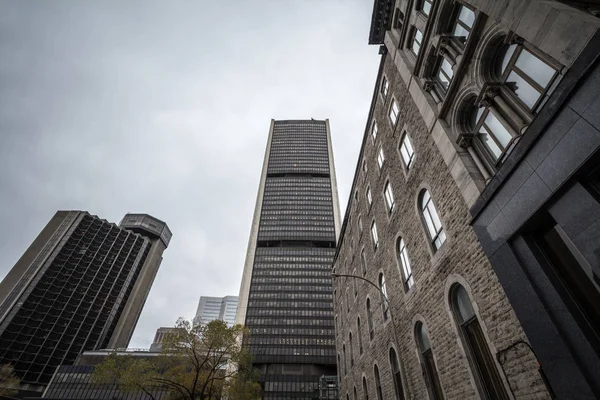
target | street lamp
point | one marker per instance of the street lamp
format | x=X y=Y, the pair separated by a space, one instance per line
x=384 y=298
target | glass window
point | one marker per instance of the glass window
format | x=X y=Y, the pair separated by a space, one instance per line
x=369 y=198
x=426 y=7
x=445 y=73
x=377 y=383
x=355 y=396
x=351 y=349
x=475 y=344
x=370 y=319
x=432 y=221
x=344 y=355
x=363 y=262
x=365 y=389
x=384 y=297
x=374 y=131
x=405 y=264
x=380 y=158
x=491 y=133
x=430 y=371
x=385 y=86
x=358 y=333
x=374 y=235
x=417 y=40
x=389 y=196
x=394 y=112
x=406 y=151
x=524 y=73
x=360 y=224
x=396 y=377
x=464 y=24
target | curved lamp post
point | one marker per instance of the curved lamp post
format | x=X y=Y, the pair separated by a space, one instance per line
x=398 y=343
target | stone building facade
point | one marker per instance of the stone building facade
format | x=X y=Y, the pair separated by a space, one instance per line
x=460 y=92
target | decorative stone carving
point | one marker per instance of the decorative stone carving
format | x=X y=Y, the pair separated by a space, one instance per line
x=465 y=139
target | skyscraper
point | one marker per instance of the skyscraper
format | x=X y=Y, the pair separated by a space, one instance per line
x=286 y=296
x=212 y=308
x=80 y=285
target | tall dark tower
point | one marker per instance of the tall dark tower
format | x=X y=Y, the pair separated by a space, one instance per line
x=81 y=285
x=286 y=292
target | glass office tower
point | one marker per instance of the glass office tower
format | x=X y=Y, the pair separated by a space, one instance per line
x=286 y=294
x=81 y=285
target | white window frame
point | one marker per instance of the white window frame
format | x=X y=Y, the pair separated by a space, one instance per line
x=388 y=194
x=374 y=235
x=406 y=145
x=374 y=131
x=433 y=223
x=385 y=87
x=404 y=260
x=369 y=197
x=380 y=158
x=394 y=112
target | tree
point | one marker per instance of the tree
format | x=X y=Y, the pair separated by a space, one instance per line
x=201 y=362
x=9 y=383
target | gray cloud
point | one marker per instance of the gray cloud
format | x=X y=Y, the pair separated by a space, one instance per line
x=164 y=108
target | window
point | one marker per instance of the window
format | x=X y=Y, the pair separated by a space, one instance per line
x=464 y=24
x=374 y=131
x=360 y=224
x=364 y=168
x=351 y=349
x=432 y=221
x=380 y=158
x=370 y=319
x=480 y=357
x=417 y=41
x=405 y=264
x=355 y=396
x=385 y=86
x=406 y=151
x=347 y=301
x=394 y=112
x=426 y=7
x=445 y=73
x=354 y=284
x=369 y=198
x=491 y=133
x=428 y=364
x=398 y=19
x=374 y=235
x=524 y=74
x=363 y=262
x=365 y=389
x=389 y=196
x=384 y=297
x=358 y=333
x=396 y=377
x=377 y=383
x=345 y=362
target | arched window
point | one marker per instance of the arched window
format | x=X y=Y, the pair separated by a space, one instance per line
x=365 y=389
x=351 y=349
x=404 y=262
x=524 y=73
x=344 y=355
x=377 y=383
x=347 y=396
x=479 y=355
x=355 y=395
x=347 y=300
x=359 y=334
x=384 y=298
x=427 y=363
x=396 y=377
x=363 y=262
x=492 y=132
x=432 y=220
x=370 y=319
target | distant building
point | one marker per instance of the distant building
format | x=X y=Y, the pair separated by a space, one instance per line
x=156 y=345
x=212 y=308
x=286 y=291
x=81 y=285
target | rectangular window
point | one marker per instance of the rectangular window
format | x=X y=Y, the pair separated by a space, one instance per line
x=380 y=158
x=445 y=73
x=374 y=235
x=394 y=112
x=364 y=168
x=406 y=151
x=426 y=7
x=389 y=196
x=369 y=198
x=374 y=131
x=385 y=86
x=417 y=41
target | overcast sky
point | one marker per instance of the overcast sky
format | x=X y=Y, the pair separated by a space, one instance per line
x=163 y=107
